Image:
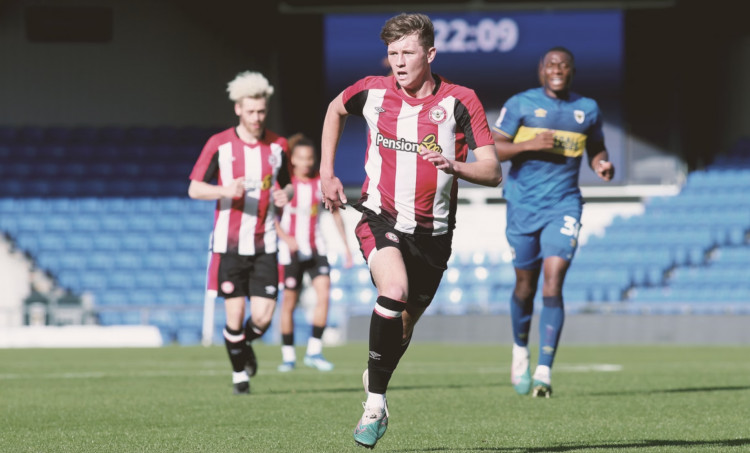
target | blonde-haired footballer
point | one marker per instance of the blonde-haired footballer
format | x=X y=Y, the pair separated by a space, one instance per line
x=239 y=168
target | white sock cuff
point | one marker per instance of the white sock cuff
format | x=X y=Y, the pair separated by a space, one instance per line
x=314 y=346
x=542 y=373
x=240 y=376
x=375 y=400
x=288 y=354
x=522 y=351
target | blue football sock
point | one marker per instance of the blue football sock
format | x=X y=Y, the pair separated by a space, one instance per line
x=520 y=317
x=550 y=326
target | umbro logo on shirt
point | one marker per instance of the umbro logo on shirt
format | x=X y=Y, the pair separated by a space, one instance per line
x=379 y=109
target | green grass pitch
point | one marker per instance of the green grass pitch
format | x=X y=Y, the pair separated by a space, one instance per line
x=443 y=398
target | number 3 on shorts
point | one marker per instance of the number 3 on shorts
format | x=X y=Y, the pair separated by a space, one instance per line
x=571 y=226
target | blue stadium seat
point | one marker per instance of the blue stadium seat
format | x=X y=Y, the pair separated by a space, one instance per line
x=112 y=299
x=576 y=294
x=450 y=300
x=156 y=261
x=188 y=336
x=110 y=318
x=141 y=296
x=190 y=318
x=166 y=322
x=27 y=241
x=100 y=261
x=733 y=255
x=162 y=242
x=31 y=223
x=72 y=261
x=109 y=242
x=132 y=318
x=9 y=223
x=85 y=222
x=128 y=261
x=134 y=243
x=183 y=260
x=149 y=280
x=167 y=297
x=49 y=261
x=59 y=223
x=112 y=223
x=177 y=280
x=121 y=281
x=79 y=242
x=52 y=243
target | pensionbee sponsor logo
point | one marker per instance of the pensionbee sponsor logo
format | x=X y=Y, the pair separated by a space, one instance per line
x=263 y=184
x=429 y=142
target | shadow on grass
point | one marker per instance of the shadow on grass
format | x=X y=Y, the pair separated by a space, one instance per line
x=729 y=388
x=613 y=446
x=358 y=389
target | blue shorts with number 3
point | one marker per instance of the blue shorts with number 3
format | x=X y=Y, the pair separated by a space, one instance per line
x=535 y=235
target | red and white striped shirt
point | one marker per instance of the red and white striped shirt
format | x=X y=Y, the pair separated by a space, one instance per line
x=243 y=225
x=409 y=192
x=299 y=219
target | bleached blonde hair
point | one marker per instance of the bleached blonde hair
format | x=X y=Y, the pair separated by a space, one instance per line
x=249 y=85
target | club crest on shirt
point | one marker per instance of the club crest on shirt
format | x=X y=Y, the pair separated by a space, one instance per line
x=392 y=237
x=540 y=113
x=438 y=114
x=579 y=115
x=227 y=287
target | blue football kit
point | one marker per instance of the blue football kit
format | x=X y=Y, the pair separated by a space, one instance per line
x=544 y=201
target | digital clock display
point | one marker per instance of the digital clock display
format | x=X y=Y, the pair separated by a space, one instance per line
x=487 y=35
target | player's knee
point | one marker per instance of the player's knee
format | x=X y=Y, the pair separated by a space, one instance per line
x=524 y=293
x=393 y=291
x=255 y=329
x=552 y=286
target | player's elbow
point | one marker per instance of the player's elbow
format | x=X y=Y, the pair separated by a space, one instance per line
x=193 y=191
x=496 y=175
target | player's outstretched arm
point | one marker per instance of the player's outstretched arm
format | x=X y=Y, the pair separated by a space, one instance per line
x=333 y=126
x=485 y=170
x=602 y=166
x=200 y=190
x=507 y=150
x=339 y=221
